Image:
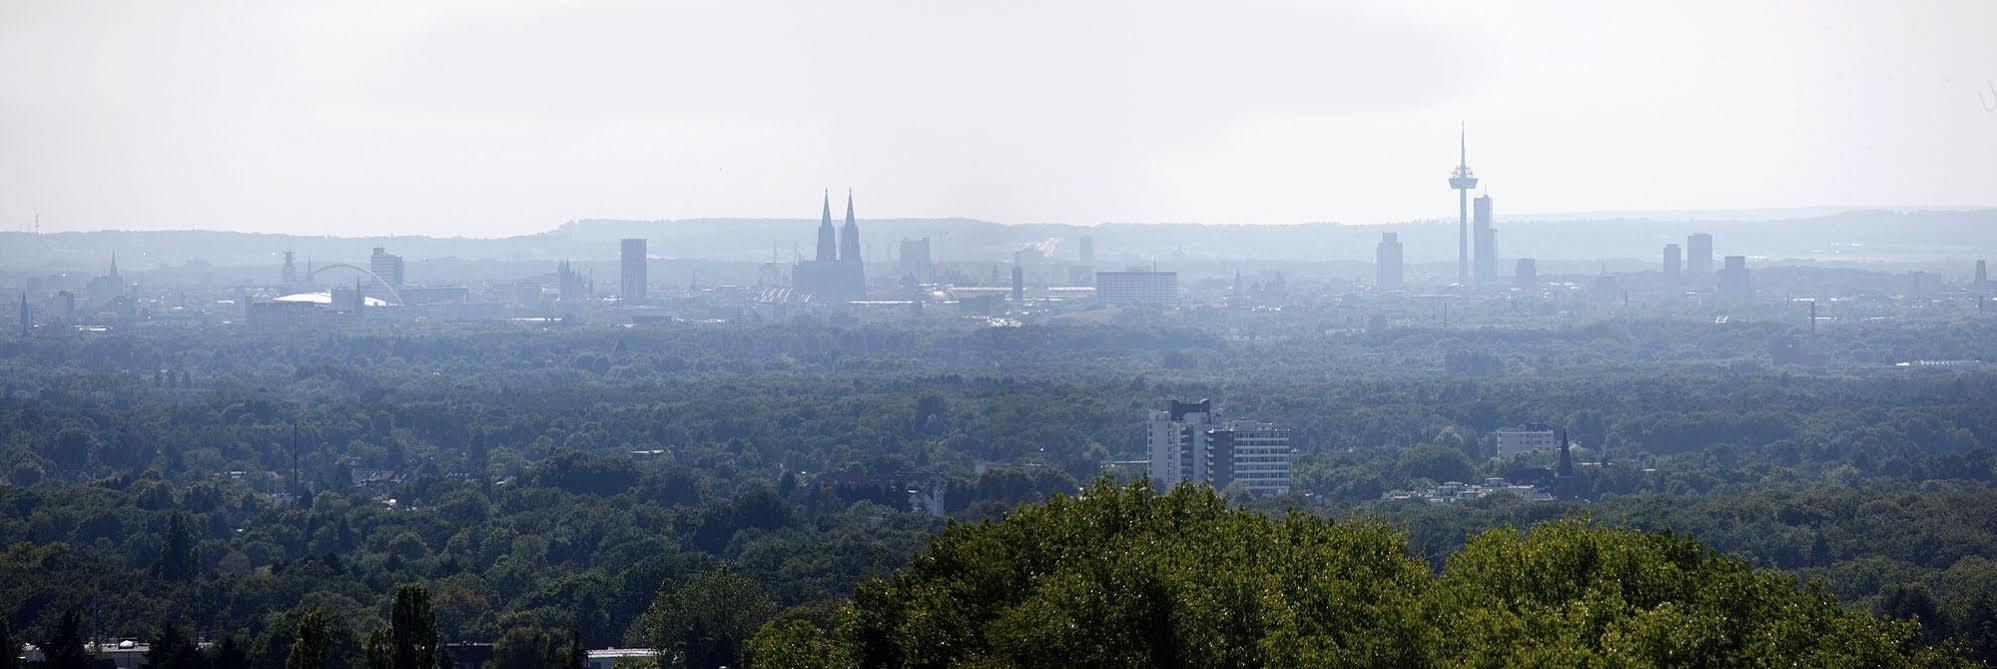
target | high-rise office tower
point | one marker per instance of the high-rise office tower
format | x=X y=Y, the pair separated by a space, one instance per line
x=1253 y=454
x=631 y=271
x=27 y=319
x=386 y=265
x=1462 y=180
x=1525 y=275
x=290 y=269
x=1484 y=269
x=1734 y=284
x=1982 y=274
x=1186 y=441
x=914 y=260
x=1175 y=439
x=1671 y=263
x=1699 y=254
x=1387 y=261
x=1018 y=284
x=1083 y=272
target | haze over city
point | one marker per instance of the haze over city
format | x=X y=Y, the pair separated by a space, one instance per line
x=493 y=119
x=774 y=334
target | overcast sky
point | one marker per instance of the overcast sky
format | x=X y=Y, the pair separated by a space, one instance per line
x=489 y=119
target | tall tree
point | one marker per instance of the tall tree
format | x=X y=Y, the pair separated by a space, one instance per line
x=231 y=653
x=176 y=560
x=171 y=649
x=707 y=621
x=1911 y=601
x=410 y=640
x=65 y=649
x=323 y=641
x=1979 y=629
x=10 y=650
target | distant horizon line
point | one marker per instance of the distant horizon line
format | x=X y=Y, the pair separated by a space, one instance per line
x=1718 y=215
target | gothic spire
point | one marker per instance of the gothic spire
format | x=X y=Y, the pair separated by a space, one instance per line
x=828 y=246
x=849 y=236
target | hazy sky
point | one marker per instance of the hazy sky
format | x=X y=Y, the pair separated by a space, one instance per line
x=487 y=118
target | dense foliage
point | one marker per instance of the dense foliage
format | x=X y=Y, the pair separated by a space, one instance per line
x=589 y=487
x=1122 y=578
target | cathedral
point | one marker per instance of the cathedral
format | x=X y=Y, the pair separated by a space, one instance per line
x=836 y=273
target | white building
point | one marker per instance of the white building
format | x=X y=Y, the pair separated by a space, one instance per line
x=1257 y=455
x=610 y=657
x=1513 y=441
x=1187 y=442
x=1173 y=437
x=1146 y=288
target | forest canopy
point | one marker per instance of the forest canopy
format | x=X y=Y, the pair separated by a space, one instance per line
x=1121 y=578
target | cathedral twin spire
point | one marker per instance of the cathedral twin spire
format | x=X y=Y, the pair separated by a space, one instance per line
x=849 y=236
x=847 y=246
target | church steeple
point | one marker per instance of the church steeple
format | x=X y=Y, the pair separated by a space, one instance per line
x=849 y=236
x=828 y=247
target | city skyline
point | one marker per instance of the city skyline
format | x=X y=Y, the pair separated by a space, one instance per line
x=497 y=333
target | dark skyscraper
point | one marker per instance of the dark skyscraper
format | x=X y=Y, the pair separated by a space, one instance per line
x=1387 y=261
x=849 y=235
x=290 y=269
x=1462 y=180
x=1485 y=263
x=828 y=239
x=1525 y=275
x=914 y=259
x=1982 y=274
x=1671 y=263
x=631 y=274
x=386 y=265
x=1699 y=254
x=27 y=319
x=1018 y=284
x=1734 y=285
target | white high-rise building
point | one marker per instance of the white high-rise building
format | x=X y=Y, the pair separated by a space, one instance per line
x=1188 y=442
x=1387 y=262
x=1173 y=436
x=1513 y=441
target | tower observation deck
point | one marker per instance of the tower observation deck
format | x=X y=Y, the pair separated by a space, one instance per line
x=1462 y=181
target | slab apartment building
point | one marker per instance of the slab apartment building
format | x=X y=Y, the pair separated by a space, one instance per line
x=1187 y=441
